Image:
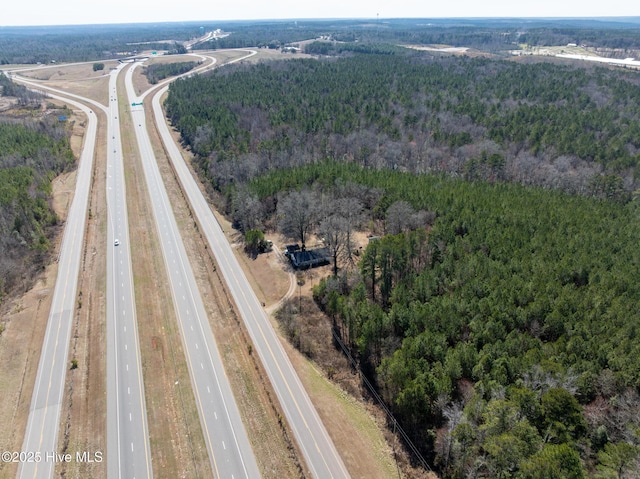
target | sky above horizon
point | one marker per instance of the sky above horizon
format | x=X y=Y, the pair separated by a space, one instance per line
x=78 y=12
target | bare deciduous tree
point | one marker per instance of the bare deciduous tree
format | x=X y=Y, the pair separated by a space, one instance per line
x=298 y=212
x=352 y=211
x=248 y=211
x=334 y=230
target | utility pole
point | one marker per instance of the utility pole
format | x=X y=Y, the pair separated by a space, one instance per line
x=395 y=456
x=300 y=283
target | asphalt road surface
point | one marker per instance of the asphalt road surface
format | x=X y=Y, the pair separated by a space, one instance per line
x=128 y=453
x=318 y=449
x=41 y=435
x=229 y=449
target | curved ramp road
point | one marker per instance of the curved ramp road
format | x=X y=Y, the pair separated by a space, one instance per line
x=41 y=435
x=318 y=448
x=226 y=439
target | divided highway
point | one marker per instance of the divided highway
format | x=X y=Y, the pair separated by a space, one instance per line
x=229 y=449
x=318 y=448
x=127 y=452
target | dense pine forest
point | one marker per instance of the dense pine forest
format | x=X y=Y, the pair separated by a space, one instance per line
x=549 y=125
x=159 y=71
x=497 y=312
x=32 y=153
x=501 y=329
x=495 y=306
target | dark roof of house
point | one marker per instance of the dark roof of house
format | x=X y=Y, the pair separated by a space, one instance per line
x=312 y=257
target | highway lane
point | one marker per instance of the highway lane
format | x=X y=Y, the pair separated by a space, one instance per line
x=128 y=454
x=41 y=434
x=226 y=439
x=317 y=447
x=127 y=431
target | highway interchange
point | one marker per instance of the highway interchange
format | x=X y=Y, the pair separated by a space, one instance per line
x=128 y=449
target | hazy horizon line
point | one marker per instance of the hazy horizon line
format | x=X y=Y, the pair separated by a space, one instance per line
x=293 y=19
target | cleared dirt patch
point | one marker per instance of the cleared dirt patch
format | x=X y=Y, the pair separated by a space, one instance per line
x=356 y=425
x=7 y=103
x=176 y=439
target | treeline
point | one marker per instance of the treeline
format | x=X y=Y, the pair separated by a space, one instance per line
x=25 y=97
x=340 y=48
x=246 y=38
x=497 y=321
x=160 y=71
x=274 y=34
x=620 y=38
x=500 y=327
x=100 y=42
x=576 y=129
x=497 y=35
x=23 y=45
x=32 y=153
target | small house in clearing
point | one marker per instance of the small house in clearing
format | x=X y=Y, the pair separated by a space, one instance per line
x=310 y=258
x=302 y=258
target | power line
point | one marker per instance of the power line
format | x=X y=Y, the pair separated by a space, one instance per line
x=374 y=393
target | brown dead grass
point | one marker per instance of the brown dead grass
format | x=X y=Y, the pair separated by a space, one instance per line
x=83 y=421
x=270 y=441
x=79 y=79
x=25 y=318
x=356 y=426
x=140 y=82
x=177 y=444
x=25 y=321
